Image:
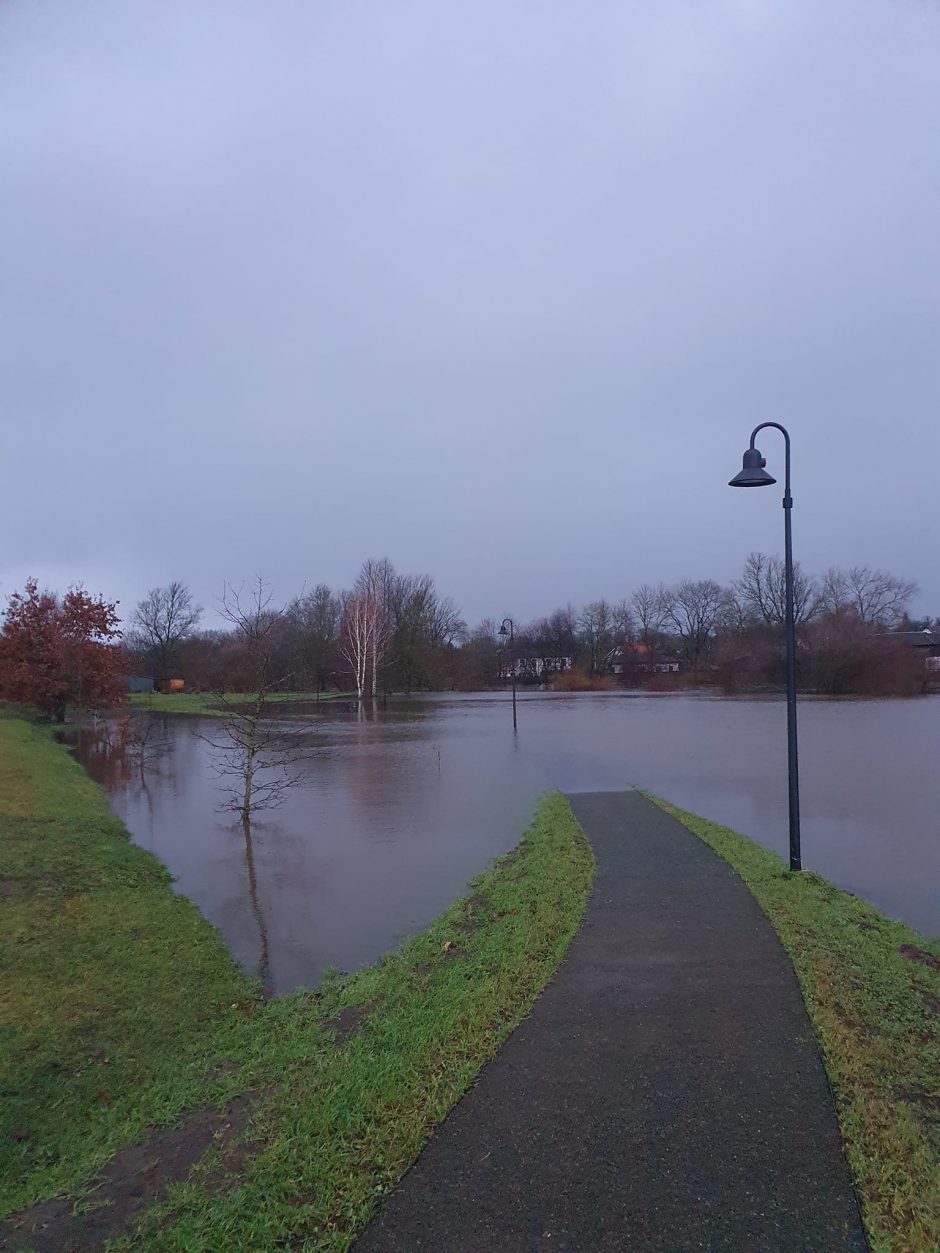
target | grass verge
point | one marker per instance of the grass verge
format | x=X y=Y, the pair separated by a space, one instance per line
x=260 y=1124
x=872 y=989
x=207 y=703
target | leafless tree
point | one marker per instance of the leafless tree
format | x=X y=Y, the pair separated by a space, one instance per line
x=364 y=639
x=648 y=606
x=374 y=590
x=443 y=623
x=315 y=619
x=694 y=609
x=600 y=626
x=877 y=597
x=354 y=638
x=736 y=615
x=166 y=617
x=560 y=631
x=256 y=756
x=479 y=657
x=422 y=625
x=762 y=594
x=555 y=638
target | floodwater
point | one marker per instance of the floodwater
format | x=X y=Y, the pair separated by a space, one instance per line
x=398 y=806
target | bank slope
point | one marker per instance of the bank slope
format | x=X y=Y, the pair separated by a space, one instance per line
x=132 y=1048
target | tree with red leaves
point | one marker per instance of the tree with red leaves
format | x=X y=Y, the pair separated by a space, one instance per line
x=55 y=653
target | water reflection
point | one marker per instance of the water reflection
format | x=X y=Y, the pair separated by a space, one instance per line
x=400 y=805
x=263 y=969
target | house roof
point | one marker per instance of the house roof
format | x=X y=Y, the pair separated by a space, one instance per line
x=628 y=648
x=917 y=639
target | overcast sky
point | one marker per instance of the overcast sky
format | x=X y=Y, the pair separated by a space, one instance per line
x=497 y=290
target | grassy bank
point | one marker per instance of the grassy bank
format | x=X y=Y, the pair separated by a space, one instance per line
x=209 y=703
x=872 y=989
x=123 y=1022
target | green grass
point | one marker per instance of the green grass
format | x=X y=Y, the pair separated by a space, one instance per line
x=121 y=1010
x=208 y=702
x=876 y=1013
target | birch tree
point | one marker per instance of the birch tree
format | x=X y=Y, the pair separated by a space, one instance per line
x=367 y=624
x=354 y=639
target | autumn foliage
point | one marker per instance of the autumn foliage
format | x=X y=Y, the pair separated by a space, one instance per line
x=58 y=652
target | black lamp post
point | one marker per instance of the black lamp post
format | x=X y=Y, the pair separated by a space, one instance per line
x=754 y=475
x=512 y=663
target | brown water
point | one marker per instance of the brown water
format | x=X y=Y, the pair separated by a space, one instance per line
x=401 y=805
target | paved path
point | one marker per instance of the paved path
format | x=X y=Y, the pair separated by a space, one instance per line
x=665 y=1093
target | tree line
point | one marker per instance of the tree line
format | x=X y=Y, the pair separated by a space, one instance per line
x=395 y=632
x=389 y=632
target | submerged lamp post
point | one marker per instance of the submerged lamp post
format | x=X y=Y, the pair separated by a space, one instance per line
x=753 y=474
x=512 y=663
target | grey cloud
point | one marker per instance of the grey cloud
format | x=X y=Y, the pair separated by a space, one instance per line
x=498 y=290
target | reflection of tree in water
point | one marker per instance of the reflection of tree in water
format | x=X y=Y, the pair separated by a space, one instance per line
x=264 y=959
x=123 y=755
x=121 y=750
x=389 y=761
x=260 y=760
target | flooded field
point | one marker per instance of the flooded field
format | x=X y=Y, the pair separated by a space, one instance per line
x=400 y=805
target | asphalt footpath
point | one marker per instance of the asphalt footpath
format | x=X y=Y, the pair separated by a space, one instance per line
x=666 y=1092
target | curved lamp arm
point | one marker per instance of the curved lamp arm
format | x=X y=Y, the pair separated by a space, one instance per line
x=787 y=498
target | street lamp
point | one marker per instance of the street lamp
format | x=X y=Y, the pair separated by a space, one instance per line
x=753 y=474
x=512 y=663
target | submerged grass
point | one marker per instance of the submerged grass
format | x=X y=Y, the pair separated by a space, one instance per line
x=872 y=989
x=208 y=703
x=121 y=1011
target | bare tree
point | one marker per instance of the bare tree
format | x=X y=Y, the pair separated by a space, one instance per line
x=374 y=587
x=695 y=610
x=422 y=625
x=443 y=623
x=364 y=640
x=595 y=633
x=480 y=657
x=877 y=597
x=315 y=619
x=555 y=639
x=648 y=608
x=560 y=632
x=256 y=755
x=354 y=639
x=167 y=616
x=761 y=591
x=600 y=627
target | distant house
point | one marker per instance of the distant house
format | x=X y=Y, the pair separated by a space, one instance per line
x=531 y=665
x=927 y=642
x=633 y=658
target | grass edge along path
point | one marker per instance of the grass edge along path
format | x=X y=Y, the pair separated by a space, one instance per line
x=123 y=1013
x=872 y=990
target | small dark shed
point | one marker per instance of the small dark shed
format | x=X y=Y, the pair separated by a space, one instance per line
x=137 y=683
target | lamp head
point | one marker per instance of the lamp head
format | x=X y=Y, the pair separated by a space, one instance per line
x=502 y=630
x=753 y=473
